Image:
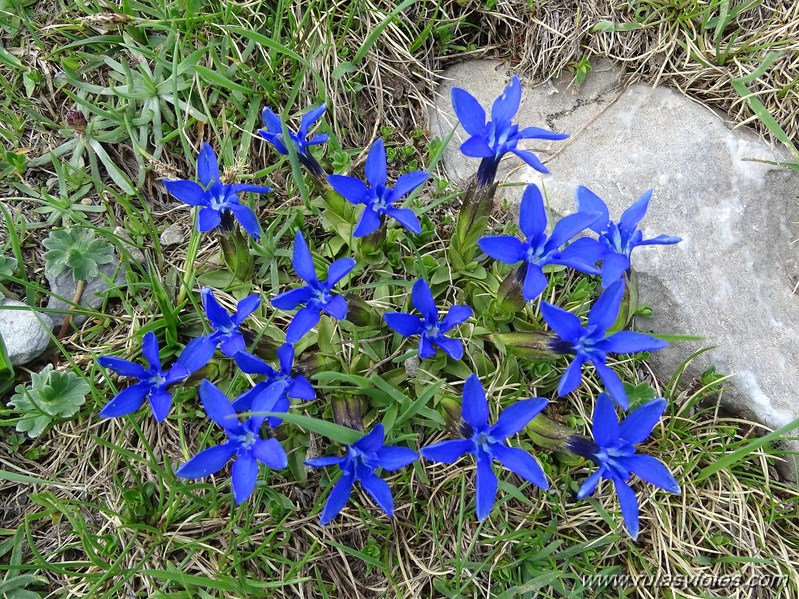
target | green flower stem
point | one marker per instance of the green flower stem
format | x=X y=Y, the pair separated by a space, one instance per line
x=188 y=266
x=549 y=434
x=75 y=301
x=471 y=223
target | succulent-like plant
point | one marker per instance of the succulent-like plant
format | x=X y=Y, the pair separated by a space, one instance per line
x=78 y=250
x=51 y=395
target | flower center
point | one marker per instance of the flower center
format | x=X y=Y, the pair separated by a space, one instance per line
x=483 y=441
x=246 y=441
x=157 y=380
x=432 y=330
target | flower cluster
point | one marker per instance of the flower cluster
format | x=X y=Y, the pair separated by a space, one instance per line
x=249 y=420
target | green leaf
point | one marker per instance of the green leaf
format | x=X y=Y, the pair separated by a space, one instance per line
x=331 y=430
x=51 y=395
x=78 y=250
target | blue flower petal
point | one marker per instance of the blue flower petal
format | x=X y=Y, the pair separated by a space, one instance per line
x=538 y=133
x=447 y=452
x=208 y=461
x=253 y=365
x=455 y=316
x=606 y=308
x=504 y=248
x=628 y=342
x=475 y=406
x=197 y=353
x=507 y=104
x=300 y=388
x=589 y=486
x=569 y=226
x=651 y=470
x=310 y=117
x=207 y=165
x=244 y=474
x=126 y=401
x=452 y=347
x=422 y=300
x=532 y=213
x=217 y=315
x=271 y=453
x=632 y=216
x=285 y=357
x=486 y=487
x=338 y=270
x=122 y=367
x=247 y=219
x=531 y=159
x=375 y=167
x=565 y=324
x=217 y=406
x=613 y=268
x=588 y=201
x=605 y=423
x=178 y=372
x=581 y=254
x=249 y=188
x=521 y=464
x=149 y=349
x=406 y=184
x=573 y=376
x=271 y=120
x=629 y=507
x=338 y=498
x=324 y=461
x=160 y=404
x=305 y=319
x=352 y=189
x=288 y=300
x=535 y=281
x=426 y=347
x=368 y=223
x=406 y=217
x=302 y=260
x=476 y=147
x=469 y=112
x=188 y=192
x=378 y=490
x=404 y=324
x=208 y=219
x=639 y=423
x=516 y=416
x=336 y=307
x=661 y=240
x=393 y=458
x=373 y=440
x=245 y=307
x=613 y=384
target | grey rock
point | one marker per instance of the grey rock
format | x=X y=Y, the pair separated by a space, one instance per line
x=25 y=332
x=733 y=277
x=172 y=235
x=64 y=286
x=134 y=253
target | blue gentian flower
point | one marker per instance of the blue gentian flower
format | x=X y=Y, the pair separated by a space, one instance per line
x=297 y=386
x=364 y=457
x=429 y=327
x=316 y=295
x=489 y=442
x=378 y=198
x=613 y=450
x=491 y=140
x=153 y=381
x=619 y=240
x=219 y=202
x=226 y=326
x=244 y=441
x=274 y=135
x=592 y=344
x=538 y=250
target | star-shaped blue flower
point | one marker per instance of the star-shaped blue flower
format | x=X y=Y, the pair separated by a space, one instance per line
x=613 y=450
x=488 y=443
x=153 y=381
x=364 y=457
x=226 y=326
x=244 y=441
x=378 y=198
x=274 y=135
x=539 y=250
x=619 y=240
x=592 y=344
x=219 y=202
x=316 y=295
x=493 y=139
x=429 y=326
x=297 y=386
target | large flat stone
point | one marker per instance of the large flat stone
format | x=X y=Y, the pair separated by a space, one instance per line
x=65 y=286
x=732 y=278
